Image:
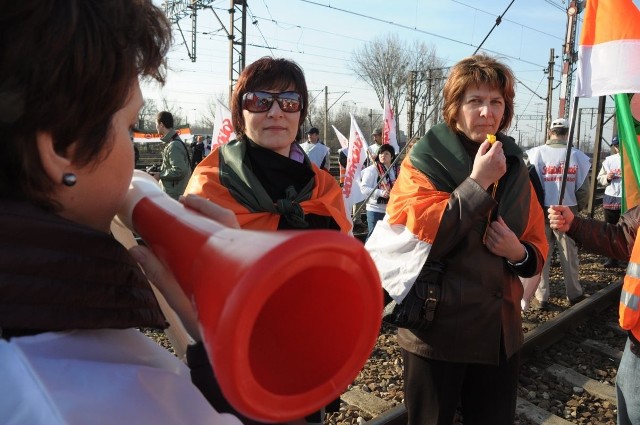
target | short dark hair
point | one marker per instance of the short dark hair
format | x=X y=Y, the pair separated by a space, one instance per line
x=89 y=53
x=165 y=118
x=268 y=73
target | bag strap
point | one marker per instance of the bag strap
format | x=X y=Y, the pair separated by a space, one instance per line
x=176 y=137
x=433 y=288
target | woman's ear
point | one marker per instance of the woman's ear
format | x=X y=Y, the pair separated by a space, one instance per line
x=53 y=164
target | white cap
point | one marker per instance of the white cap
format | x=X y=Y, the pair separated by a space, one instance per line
x=559 y=123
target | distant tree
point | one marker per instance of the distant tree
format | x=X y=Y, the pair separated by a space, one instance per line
x=208 y=115
x=387 y=62
x=384 y=63
x=179 y=115
x=147 y=114
x=428 y=73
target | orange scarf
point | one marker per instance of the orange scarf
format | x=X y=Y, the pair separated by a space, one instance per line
x=326 y=197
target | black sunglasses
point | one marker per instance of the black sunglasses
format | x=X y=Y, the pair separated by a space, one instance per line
x=262 y=101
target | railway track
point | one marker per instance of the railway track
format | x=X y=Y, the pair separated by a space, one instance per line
x=569 y=367
x=570 y=359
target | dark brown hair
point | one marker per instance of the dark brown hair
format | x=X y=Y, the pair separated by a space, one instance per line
x=475 y=71
x=268 y=74
x=66 y=68
x=165 y=118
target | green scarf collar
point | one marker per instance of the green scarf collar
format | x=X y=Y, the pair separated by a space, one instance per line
x=447 y=164
x=245 y=188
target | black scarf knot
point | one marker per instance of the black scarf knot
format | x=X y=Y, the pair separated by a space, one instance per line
x=291 y=209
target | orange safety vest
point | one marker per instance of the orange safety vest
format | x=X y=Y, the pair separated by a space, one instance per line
x=630 y=297
x=343 y=172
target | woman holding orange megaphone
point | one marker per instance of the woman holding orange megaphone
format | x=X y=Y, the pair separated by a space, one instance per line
x=71 y=297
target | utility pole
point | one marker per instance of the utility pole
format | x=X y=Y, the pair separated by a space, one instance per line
x=569 y=57
x=411 y=97
x=237 y=41
x=176 y=10
x=549 y=89
x=326 y=113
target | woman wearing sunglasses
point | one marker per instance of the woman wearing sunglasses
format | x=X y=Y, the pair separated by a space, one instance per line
x=264 y=176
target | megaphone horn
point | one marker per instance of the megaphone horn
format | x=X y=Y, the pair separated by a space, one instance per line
x=288 y=318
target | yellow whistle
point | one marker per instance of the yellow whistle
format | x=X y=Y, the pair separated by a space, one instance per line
x=491 y=138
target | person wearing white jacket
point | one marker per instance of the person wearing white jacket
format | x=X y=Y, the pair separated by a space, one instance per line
x=610 y=176
x=376 y=183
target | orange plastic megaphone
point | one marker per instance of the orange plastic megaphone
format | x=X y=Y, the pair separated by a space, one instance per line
x=288 y=318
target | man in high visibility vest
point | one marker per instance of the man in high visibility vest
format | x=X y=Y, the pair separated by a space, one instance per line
x=615 y=241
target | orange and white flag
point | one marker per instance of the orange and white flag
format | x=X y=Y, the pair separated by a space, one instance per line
x=609 y=50
x=139 y=137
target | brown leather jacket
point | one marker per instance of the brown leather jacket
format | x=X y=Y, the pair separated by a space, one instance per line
x=479 y=310
x=609 y=240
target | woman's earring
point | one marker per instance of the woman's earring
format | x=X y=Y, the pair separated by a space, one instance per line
x=69 y=179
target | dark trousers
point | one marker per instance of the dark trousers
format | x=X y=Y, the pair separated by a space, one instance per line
x=434 y=389
x=612 y=217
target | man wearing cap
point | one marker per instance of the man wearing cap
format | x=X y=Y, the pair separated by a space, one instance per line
x=317 y=152
x=376 y=134
x=610 y=176
x=548 y=161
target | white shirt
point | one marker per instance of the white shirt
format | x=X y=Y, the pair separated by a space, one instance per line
x=549 y=160
x=105 y=376
x=611 y=164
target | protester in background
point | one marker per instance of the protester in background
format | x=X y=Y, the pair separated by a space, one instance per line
x=343 y=155
x=264 y=176
x=377 y=182
x=548 y=161
x=72 y=297
x=317 y=152
x=376 y=134
x=610 y=176
x=377 y=142
x=207 y=146
x=198 y=151
x=176 y=162
x=617 y=241
x=469 y=204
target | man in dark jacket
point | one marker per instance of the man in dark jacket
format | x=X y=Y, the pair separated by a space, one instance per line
x=198 y=151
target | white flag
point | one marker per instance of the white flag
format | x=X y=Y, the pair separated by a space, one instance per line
x=355 y=158
x=389 y=132
x=223 y=130
x=343 y=140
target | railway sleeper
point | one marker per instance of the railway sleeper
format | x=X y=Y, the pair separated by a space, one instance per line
x=593 y=387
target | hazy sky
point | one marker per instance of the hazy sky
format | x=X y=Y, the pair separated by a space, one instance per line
x=322 y=35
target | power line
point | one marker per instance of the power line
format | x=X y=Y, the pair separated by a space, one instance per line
x=513 y=22
x=395 y=24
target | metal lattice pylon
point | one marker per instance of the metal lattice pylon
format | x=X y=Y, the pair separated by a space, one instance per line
x=176 y=10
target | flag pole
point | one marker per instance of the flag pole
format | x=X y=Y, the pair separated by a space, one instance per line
x=628 y=143
x=567 y=159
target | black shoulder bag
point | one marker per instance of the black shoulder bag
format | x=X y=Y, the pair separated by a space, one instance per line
x=418 y=309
